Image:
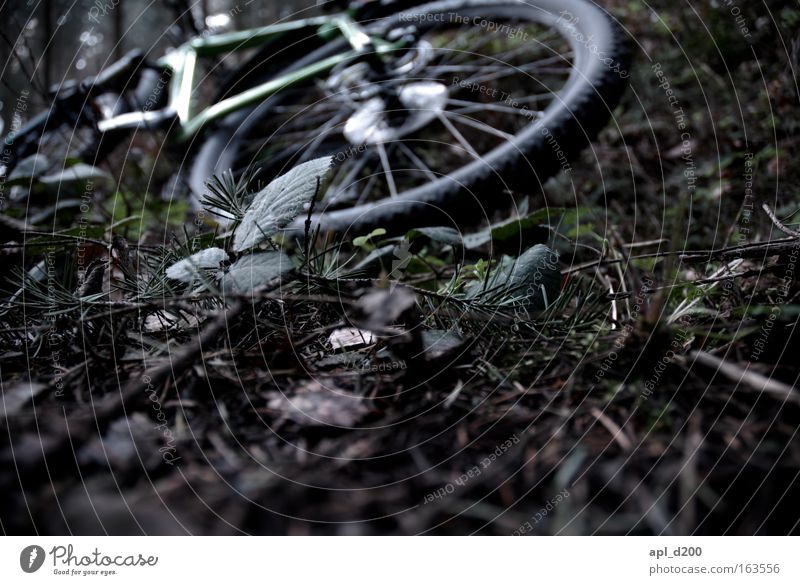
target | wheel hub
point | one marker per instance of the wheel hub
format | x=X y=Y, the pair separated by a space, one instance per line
x=375 y=122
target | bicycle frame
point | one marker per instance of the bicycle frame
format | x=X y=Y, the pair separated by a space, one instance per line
x=182 y=64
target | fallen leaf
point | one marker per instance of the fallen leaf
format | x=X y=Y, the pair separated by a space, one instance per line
x=350 y=337
x=16 y=396
x=130 y=443
x=318 y=405
x=382 y=308
x=438 y=342
x=165 y=320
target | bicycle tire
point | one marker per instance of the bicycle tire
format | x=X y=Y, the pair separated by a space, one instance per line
x=468 y=194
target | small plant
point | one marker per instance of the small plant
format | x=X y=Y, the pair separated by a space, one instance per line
x=270 y=210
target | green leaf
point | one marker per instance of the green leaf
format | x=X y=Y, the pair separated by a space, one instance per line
x=443 y=235
x=517 y=233
x=188 y=269
x=377 y=260
x=28 y=168
x=519 y=228
x=533 y=280
x=362 y=241
x=250 y=272
x=277 y=204
x=79 y=173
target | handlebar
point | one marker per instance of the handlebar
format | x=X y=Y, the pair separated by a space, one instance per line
x=116 y=77
x=71 y=104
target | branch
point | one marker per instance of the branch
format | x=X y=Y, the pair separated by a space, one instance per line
x=778 y=223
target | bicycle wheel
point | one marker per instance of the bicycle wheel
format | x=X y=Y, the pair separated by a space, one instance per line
x=494 y=95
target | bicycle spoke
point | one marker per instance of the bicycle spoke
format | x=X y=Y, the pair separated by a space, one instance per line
x=416 y=160
x=304 y=107
x=542 y=40
x=480 y=109
x=512 y=71
x=534 y=98
x=340 y=187
x=502 y=64
x=387 y=169
x=460 y=53
x=495 y=107
x=362 y=197
x=450 y=49
x=458 y=136
x=479 y=125
x=324 y=132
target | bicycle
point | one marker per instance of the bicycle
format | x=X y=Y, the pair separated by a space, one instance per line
x=432 y=111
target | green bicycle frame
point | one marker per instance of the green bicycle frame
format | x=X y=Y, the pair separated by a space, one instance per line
x=183 y=61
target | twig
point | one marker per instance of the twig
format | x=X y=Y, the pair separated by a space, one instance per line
x=755 y=250
x=15 y=225
x=307 y=226
x=122 y=307
x=66 y=238
x=752 y=379
x=73 y=429
x=616 y=432
x=182 y=358
x=745 y=274
x=778 y=223
x=29 y=74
